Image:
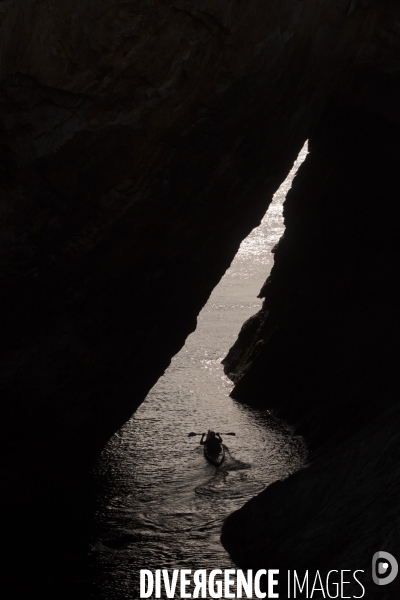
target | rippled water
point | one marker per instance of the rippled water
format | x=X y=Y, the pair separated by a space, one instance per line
x=160 y=504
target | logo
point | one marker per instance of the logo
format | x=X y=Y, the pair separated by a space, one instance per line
x=384 y=568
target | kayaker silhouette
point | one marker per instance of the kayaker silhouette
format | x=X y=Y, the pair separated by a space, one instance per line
x=212 y=441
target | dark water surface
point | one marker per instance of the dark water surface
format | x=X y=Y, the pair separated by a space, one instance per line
x=160 y=505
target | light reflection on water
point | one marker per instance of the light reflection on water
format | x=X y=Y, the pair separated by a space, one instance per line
x=160 y=504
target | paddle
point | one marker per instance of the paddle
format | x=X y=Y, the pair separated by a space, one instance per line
x=192 y=433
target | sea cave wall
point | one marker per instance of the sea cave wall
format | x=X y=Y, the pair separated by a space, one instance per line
x=323 y=354
x=323 y=351
x=326 y=341
x=140 y=142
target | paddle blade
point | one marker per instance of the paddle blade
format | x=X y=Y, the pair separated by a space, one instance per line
x=229 y=433
x=192 y=433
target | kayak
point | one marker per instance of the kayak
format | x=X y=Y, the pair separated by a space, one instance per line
x=215 y=458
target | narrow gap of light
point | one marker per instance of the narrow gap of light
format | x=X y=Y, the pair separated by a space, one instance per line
x=258 y=243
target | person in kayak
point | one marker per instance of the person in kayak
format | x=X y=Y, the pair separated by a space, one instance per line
x=213 y=441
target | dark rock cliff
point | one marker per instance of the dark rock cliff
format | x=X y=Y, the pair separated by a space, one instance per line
x=323 y=352
x=140 y=142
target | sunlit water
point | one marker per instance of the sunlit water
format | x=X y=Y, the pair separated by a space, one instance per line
x=160 y=504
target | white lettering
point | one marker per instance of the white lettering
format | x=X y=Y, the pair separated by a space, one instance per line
x=334 y=584
x=200 y=579
x=184 y=583
x=272 y=583
x=359 y=582
x=228 y=582
x=257 y=590
x=215 y=591
x=146 y=574
x=170 y=588
x=319 y=589
x=243 y=584
x=305 y=584
x=157 y=591
x=343 y=582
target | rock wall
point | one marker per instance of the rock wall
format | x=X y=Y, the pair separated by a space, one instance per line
x=323 y=351
x=334 y=515
x=140 y=142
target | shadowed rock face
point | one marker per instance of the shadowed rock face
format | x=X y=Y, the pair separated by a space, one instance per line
x=323 y=350
x=323 y=353
x=334 y=515
x=140 y=143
